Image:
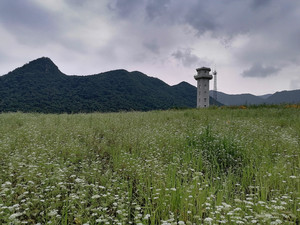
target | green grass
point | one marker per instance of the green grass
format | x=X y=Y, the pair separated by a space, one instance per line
x=210 y=166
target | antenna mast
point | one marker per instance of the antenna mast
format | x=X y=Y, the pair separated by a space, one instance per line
x=215 y=95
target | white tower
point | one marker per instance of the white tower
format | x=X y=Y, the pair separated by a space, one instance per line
x=215 y=95
x=203 y=78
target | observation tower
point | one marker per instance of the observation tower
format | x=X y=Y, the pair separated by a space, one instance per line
x=203 y=78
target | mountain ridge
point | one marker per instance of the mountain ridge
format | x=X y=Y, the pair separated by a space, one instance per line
x=280 y=97
x=39 y=86
x=40 y=64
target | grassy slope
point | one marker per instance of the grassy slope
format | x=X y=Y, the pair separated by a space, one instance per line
x=213 y=165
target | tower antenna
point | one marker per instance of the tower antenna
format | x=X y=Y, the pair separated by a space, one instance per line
x=215 y=95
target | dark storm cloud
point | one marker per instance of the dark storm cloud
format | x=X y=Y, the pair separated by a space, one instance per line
x=77 y=3
x=156 y=8
x=153 y=46
x=258 y=70
x=125 y=9
x=269 y=26
x=27 y=21
x=201 y=18
x=223 y=19
x=124 y=31
x=187 y=58
x=260 y=3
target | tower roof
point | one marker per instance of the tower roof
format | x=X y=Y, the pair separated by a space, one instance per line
x=203 y=69
x=203 y=73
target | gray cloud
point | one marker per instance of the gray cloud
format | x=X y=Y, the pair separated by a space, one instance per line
x=119 y=32
x=126 y=9
x=188 y=59
x=76 y=3
x=156 y=8
x=295 y=84
x=258 y=70
x=153 y=46
x=201 y=17
x=146 y=9
x=27 y=21
x=4 y=57
x=260 y=3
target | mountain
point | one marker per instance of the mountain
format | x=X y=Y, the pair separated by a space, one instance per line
x=283 y=97
x=40 y=86
x=265 y=96
x=188 y=91
x=240 y=99
x=290 y=97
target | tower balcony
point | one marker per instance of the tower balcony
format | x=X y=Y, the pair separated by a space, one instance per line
x=203 y=73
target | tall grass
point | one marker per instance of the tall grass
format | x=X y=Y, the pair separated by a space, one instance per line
x=210 y=166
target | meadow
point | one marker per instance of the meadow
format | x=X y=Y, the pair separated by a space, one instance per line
x=208 y=166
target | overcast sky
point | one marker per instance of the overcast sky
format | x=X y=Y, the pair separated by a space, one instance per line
x=253 y=44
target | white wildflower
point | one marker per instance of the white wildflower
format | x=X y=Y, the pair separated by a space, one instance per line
x=208 y=220
x=248 y=202
x=52 y=212
x=226 y=206
x=14 y=216
x=278 y=221
x=16 y=206
x=78 y=180
x=95 y=196
x=7 y=183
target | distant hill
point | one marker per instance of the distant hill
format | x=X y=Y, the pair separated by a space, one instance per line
x=289 y=97
x=240 y=99
x=265 y=96
x=40 y=86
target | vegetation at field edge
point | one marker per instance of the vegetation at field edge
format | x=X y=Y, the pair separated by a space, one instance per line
x=208 y=166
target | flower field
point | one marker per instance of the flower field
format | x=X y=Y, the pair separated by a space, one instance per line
x=208 y=166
